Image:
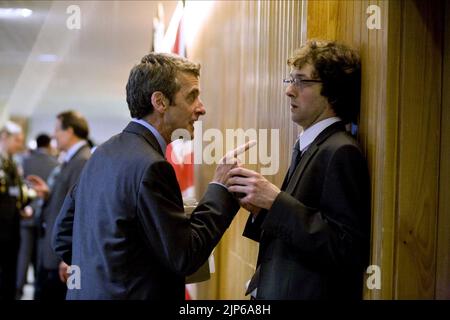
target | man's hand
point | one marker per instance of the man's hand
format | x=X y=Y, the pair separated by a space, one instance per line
x=230 y=161
x=63 y=274
x=39 y=185
x=27 y=212
x=258 y=191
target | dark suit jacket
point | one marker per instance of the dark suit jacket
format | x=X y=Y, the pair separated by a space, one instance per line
x=124 y=224
x=41 y=164
x=68 y=176
x=314 y=240
x=9 y=210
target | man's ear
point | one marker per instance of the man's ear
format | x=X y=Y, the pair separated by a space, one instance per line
x=70 y=131
x=159 y=101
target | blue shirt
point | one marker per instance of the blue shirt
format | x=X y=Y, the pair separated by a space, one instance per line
x=74 y=149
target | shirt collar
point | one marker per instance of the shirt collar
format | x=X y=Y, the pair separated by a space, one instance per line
x=158 y=136
x=308 y=135
x=74 y=149
x=41 y=151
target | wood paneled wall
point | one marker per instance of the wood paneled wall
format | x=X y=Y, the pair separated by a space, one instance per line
x=443 y=239
x=346 y=22
x=420 y=91
x=400 y=131
x=404 y=125
x=243 y=49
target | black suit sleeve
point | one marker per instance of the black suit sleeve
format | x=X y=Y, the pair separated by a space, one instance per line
x=337 y=233
x=182 y=244
x=63 y=230
x=252 y=228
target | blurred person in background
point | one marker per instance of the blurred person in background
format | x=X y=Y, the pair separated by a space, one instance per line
x=71 y=133
x=40 y=162
x=12 y=200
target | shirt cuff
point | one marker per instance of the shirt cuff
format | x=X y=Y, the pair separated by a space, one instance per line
x=218 y=183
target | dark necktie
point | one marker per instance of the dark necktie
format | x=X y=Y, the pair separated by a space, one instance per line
x=296 y=156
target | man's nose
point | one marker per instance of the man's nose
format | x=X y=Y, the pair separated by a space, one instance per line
x=201 y=110
x=291 y=91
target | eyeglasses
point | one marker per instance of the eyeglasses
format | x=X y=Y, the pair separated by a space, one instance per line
x=298 y=82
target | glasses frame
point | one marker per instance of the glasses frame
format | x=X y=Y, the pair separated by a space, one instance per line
x=298 y=82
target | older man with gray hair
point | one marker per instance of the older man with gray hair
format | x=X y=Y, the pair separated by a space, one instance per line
x=12 y=199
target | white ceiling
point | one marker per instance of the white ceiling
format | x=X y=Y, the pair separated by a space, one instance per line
x=90 y=66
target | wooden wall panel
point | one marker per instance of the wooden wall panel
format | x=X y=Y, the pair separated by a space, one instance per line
x=349 y=26
x=443 y=239
x=420 y=103
x=243 y=51
x=400 y=117
x=385 y=175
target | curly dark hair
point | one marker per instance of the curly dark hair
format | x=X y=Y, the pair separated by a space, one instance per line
x=339 y=68
x=155 y=72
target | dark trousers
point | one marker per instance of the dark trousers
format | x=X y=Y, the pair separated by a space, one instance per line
x=49 y=286
x=27 y=256
x=8 y=266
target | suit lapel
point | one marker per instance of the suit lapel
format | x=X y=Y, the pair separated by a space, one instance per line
x=79 y=152
x=138 y=129
x=285 y=181
x=309 y=153
x=301 y=167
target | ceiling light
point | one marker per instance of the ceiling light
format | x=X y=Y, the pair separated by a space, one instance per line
x=15 y=12
x=48 y=57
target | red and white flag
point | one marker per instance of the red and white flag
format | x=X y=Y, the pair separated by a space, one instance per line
x=180 y=153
